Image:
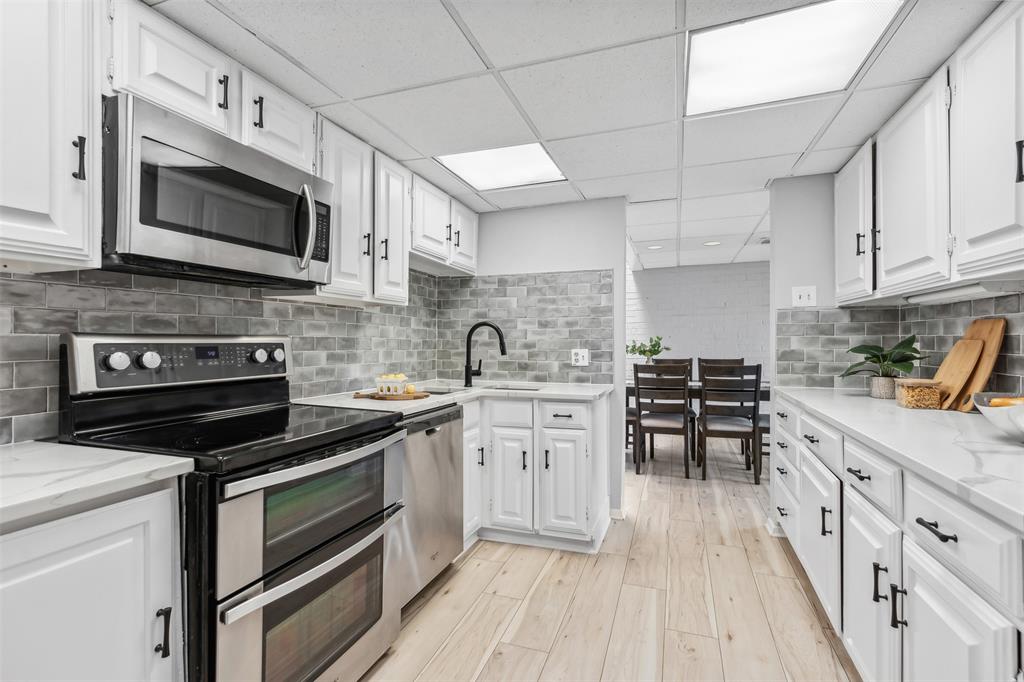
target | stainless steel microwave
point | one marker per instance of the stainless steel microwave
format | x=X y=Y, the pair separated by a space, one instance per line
x=180 y=200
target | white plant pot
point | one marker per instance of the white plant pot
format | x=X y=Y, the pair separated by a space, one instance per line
x=883 y=387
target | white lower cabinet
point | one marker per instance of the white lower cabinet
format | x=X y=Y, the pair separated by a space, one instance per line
x=84 y=597
x=564 y=488
x=821 y=532
x=511 y=478
x=472 y=474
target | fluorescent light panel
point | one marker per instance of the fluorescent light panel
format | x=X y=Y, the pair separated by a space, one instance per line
x=525 y=164
x=799 y=52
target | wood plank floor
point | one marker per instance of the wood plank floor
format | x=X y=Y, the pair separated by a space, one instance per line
x=689 y=586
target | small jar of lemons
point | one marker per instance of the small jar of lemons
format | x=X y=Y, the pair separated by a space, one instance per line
x=391 y=384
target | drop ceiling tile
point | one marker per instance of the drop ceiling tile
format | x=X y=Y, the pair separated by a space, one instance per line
x=458 y=116
x=708 y=255
x=652 y=212
x=754 y=133
x=644 y=246
x=534 y=195
x=864 y=113
x=475 y=202
x=527 y=30
x=727 y=206
x=702 y=13
x=934 y=29
x=658 y=259
x=728 y=241
x=218 y=29
x=735 y=177
x=362 y=48
x=647 y=187
x=624 y=152
x=652 y=232
x=749 y=254
x=437 y=174
x=824 y=161
x=720 y=226
x=623 y=87
x=349 y=117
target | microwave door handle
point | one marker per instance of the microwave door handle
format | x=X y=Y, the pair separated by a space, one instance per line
x=239 y=611
x=307 y=254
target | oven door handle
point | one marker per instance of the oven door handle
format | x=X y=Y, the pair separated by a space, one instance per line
x=307 y=255
x=239 y=611
x=248 y=485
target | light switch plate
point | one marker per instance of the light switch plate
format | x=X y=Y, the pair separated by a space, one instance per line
x=580 y=357
x=804 y=297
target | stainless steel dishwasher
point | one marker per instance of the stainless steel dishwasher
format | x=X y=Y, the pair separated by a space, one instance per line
x=430 y=532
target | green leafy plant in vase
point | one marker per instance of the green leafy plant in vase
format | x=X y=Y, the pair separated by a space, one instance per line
x=885 y=364
x=652 y=348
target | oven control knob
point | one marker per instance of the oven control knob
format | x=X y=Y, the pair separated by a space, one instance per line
x=258 y=356
x=149 y=360
x=277 y=355
x=117 y=361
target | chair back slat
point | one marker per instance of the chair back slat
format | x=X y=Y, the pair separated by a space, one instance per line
x=663 y=388
x=731 y=390
x=716 y=362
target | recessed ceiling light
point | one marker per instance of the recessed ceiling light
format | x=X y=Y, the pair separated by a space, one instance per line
x=525 y=164
x=805 y=51
x=712 y=243
x=655 y=248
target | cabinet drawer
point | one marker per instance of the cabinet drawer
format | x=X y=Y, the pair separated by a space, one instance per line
x=878 y=479
x=786 y=416
x=987 y=553
x=784 y=470
x=788 y=510
x=564 y=415
x=511 y=413
x=788 y=445
x=823 y=441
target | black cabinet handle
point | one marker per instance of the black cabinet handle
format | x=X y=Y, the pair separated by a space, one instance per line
x=876 y=240
x=79 y=144
x=524 y=460
x=860 y=247
x=259 y=106
x=367 y=238
x=781 y=470
x=894 y=621
x=782 y=445
x=810 y=439
x=223 y=80
x=547 y=461
x=782 y=415
x=877 y=568
x=457 y=233
x=933 y=528
x=1020 y=160
x=481 y=450
x=449 y=228
x=859 y=474
x=384 y=243
x=561 y=416
x=782 y=511
x=823 y=512
x=164 y=648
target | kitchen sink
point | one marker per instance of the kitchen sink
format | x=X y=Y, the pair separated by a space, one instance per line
x=506 y=387
x=443 y=390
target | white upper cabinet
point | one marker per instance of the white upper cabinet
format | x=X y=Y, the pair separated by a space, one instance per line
x=392 y=213
x=431 y=220
x=912 y=185
x=50 y=170
x=563 y=481
x=854 y=225
x=465 y=225
x=986 y=125
x=160 y=61
x=276 y=123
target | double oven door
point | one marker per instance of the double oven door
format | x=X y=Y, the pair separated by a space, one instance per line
x=303 y=563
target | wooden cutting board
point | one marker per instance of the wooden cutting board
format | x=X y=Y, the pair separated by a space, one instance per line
x=394 y=396
x=957 y=368
x=991 y=331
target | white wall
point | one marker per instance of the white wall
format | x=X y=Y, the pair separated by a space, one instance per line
x=802 y=238
x=711 y=311
x=585 y=235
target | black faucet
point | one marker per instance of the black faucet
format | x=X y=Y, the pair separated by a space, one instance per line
x=470 y=372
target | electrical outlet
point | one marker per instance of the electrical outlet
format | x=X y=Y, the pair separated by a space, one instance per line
x=580 y=357
x=804 y=297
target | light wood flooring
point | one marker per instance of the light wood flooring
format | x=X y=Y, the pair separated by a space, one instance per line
x=688 y=586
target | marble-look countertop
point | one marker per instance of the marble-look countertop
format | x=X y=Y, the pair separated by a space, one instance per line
x=960 y=453
x=42 y=476
x=544 y=391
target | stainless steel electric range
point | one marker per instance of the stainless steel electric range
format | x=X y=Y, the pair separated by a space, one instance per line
x=288 y=520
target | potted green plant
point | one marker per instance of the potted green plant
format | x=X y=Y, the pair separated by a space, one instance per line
x=884 y=365
x=650 y=349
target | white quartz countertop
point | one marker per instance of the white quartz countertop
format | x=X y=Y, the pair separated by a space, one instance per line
x=40 y=476
x=518 y=389
x=960 y=453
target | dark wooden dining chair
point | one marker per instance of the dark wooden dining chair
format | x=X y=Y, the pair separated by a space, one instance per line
x=692 y=413
x=631 y=416
x=663 y=400
x=730 y=405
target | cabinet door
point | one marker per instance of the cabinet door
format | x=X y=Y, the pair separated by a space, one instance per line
x=80 y=595
x=871 y=561
x=820 y=533
x=986 y=120
x=511 y=474
x=276 y=123
x=563 y=481
x=912 y=186
x=392 y=214
x=347 y=163
x=950 y=632
x=431 y=220
x=854 y=210
x=472 y=476
x=157 y=59
x=465 y=224
x=50 y=115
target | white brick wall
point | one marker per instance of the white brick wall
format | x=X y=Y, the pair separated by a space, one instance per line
x=703 y=311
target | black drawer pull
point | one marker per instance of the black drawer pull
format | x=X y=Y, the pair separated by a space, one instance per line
x=481 y=450
x=782 y=511
x=877 y=568
x=1020 y=160
x=781 y=471
x=524 y=460
x=561 y=416
x=860 y=475
x=933 y=528
x=164 y=648
x=367 y=238
x=547 y=462
x=823 y=512
x=223 y=80
x=449 y=237
x=79 y=144
x=810 y=439
x=894 y=621
x=259 y=105
x=782 y=446
x=384 y=243
x=457 y=233
x=782 y=415
x=860 y=247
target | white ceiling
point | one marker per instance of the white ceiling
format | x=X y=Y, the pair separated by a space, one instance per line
x=599 y=83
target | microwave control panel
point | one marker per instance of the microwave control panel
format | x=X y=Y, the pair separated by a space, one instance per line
x=322 y=239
